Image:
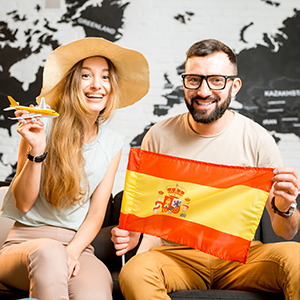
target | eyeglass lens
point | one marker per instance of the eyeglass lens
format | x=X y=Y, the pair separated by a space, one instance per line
x=214 y=82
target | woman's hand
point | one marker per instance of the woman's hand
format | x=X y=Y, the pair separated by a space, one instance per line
x=74 y=265
x=33 y=132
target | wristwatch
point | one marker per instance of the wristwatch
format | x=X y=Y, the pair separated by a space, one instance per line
x=287 y=214
x=37 y=159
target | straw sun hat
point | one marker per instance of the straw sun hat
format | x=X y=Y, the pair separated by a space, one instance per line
x=132 y=68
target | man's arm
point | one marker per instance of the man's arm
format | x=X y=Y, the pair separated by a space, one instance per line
x=285 y=190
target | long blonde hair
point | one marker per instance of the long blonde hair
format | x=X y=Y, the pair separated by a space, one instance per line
x=64 y=179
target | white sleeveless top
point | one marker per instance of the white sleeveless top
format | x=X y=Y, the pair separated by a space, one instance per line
x=98 y=156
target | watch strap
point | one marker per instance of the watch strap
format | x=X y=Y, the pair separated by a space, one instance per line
x=287 y=214
x=37 y=159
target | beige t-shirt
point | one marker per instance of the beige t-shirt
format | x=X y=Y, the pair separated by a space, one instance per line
x=242 y=143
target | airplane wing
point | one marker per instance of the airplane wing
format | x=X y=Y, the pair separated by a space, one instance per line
x=24 y=117
x=9 y=108
x=29 y=116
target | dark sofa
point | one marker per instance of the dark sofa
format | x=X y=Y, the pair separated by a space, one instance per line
x=104 y=249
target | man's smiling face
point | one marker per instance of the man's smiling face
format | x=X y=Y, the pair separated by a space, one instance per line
x=204 y=104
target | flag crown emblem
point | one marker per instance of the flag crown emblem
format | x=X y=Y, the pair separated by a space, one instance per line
x=176 y=190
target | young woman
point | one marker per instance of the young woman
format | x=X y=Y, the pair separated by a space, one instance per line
x=66 y=169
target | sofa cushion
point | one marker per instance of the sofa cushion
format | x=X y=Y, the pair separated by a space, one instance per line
x=7 y=293
x=224 y=294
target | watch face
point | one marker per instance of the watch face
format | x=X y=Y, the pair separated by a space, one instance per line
x=289 y=212
x=293 y=207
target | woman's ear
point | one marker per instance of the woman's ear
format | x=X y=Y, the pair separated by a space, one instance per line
x=237 y=84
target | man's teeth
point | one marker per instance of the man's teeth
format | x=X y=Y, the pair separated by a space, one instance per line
x=204 y=103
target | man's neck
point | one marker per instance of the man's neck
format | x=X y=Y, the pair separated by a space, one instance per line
x=213 y=128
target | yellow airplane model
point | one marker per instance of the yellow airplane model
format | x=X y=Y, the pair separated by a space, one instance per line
x=43 y=110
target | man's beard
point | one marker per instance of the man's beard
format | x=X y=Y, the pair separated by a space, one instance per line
x=200 y=116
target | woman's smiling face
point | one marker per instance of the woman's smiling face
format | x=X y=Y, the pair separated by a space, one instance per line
x=95 y=83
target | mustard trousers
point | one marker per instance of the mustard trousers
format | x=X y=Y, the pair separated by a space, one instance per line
x=165 y=269
x=35 y=259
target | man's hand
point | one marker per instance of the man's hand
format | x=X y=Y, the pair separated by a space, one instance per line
x=286 y=187
x=124 y=240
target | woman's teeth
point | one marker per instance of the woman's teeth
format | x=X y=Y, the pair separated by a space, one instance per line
x=95 y=96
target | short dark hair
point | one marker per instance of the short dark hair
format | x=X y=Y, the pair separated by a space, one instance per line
x=210 y=46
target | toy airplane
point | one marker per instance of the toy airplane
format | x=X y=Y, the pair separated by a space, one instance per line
x=43 y=110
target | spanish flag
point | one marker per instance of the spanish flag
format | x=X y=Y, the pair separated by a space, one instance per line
x=210 y=207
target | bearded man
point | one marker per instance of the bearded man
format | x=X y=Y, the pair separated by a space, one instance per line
x=213 y=133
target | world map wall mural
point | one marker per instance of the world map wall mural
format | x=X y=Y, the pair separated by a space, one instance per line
x=270 y=70
x=35 y=34
x=270 y=94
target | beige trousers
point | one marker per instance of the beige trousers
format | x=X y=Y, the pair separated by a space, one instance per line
x=165 y=269
x=35 y=259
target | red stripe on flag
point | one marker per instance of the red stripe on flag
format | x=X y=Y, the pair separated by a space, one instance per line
x=213 y=175
x=197 y=236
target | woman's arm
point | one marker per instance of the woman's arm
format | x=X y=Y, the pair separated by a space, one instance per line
x=94 y=219
x=26 y=185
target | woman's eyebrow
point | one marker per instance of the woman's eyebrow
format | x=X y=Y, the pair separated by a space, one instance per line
x=88 y=68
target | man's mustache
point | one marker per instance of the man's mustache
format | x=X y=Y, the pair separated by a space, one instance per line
x=210 y=98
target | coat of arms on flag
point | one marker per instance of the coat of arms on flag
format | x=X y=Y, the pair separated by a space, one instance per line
x=210 y=207
x=172 y=201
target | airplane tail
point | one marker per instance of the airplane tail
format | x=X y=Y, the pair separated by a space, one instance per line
x=12 y=101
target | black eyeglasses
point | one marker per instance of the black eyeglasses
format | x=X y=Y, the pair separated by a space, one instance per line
x=214 y=82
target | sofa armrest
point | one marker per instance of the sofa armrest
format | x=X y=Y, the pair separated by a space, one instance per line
x=5 y=223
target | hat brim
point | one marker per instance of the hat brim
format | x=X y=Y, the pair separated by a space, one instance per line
x=132 y=68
